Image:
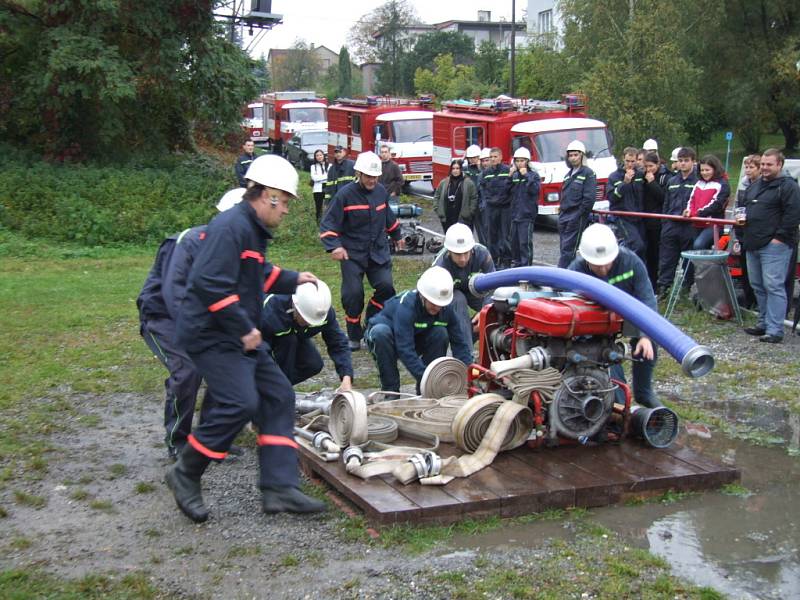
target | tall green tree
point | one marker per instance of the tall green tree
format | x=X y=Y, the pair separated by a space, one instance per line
x=261 y=73
x=345 y=74
x=545 y=73
x=447 y=80
x=430 y=45
x=491 y=65
x=298 y=69
x=100 y=78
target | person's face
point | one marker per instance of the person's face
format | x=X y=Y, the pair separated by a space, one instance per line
x=751 y=170
x=368 y=181
x=651 y=167
x=574 y=158
x=640 y=160
x=339 y=155
x=521 y=163
x=685 y=165
x=385 y=154
x=473 y=160
x=460 y=259
x=674 y=165
x=455 y=169
x=629 y=162
x=495 y=158
x=431 y=308
x=706 y=172
x=319 y=156
x=249 y=147
x=272 y=206
x=600 y=270
x=484 y=163
x=770 y=167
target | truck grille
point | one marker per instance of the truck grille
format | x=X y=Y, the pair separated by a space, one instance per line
x=420 y=166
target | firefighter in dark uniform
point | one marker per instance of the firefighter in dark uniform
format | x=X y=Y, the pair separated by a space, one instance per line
x=472 y=168
x=676 y=236
x=524 y=208
x=288 y=324
x=495 y=192
x=625 y=192
x=159 y=304
x=340 y=173
x=354 y=231
x=217 y=327
x=578 y=193
x=244 y=161
x=417 y=326
x=463 y=258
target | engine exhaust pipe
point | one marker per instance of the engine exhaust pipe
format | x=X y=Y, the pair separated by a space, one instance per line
x=656 y=426
x=695 y=360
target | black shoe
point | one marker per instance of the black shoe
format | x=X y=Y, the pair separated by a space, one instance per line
x=771 y=339
x=183 y=478
x=355 y=345
x=289 y=499
x=755 y=330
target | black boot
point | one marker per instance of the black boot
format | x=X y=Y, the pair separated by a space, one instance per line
x=289 y=499
x=183 y=478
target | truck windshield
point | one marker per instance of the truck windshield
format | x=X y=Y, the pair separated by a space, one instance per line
x=258 y=112
x=306 y=115
x=414 y=130
x=315 y=138
x=552 y=145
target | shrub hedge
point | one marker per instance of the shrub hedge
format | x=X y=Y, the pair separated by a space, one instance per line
x=98 y=205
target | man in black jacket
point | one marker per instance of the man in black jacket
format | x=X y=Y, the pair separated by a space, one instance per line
x=340 y=173
x=391 y=175
x=772 y=214
x=244 y=161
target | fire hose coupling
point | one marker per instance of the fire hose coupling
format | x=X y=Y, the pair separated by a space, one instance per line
x=426 y=464
x=320 y=438
x=537 y=358
x=353 y=453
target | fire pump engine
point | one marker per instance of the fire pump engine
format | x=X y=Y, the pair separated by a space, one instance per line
x=362 y=124
x=543 y=127
x=276 y=116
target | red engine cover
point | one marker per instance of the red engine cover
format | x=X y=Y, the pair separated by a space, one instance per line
x=566 y=317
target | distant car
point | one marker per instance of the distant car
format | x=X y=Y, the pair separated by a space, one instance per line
x=302 y=145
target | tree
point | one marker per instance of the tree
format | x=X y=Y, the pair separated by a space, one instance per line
x=430 y=45
x=345 y=74
x=491 y=65
x=382 y=36
x=298 y=69
x=81 y=77
x=447 y=80
x=544 y=73
x=261 y=73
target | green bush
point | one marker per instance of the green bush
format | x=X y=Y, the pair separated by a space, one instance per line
x=99 y=205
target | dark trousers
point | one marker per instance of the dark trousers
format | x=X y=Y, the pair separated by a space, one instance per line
x=318 y=196
x=570 y=229
x=521 y=243
x=633 y=236
x=479 y=221
x=248 y=387
x=461 y=304
x=642 y=371
x=297 y=357
x=652 y=240
x=182 y=384
x=379 y=277
x=429 y=345
x=675 y=238
x=499 y=229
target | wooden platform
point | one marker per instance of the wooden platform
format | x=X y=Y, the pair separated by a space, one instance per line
x=526 y=481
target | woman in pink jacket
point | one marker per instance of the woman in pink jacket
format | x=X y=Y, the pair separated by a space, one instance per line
x=708 y=199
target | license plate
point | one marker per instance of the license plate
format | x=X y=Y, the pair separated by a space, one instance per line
x=413 y=177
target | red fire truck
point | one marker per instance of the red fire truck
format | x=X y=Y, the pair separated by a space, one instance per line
x=544 y=127
x=362 y=124
x=285 y=113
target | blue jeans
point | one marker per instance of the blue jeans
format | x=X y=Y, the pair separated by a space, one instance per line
x=766 y=268
x=704 y=239
x=642 y=370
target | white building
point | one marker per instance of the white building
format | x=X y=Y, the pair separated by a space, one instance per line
x=545 y=26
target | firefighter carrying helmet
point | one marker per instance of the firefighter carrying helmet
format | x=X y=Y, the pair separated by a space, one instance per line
x=576 y=145
x=473 y=151
x=650 y=144
x=522 y=153
x=368 y=163
x=230 y=199
x=312 y=302
x=598 y=245
x=273 y=172
x=436 y=286
x=459 y=239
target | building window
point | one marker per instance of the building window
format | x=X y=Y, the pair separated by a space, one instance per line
x=545 y=22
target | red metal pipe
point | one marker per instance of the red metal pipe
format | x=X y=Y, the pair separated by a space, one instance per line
x=708 y=221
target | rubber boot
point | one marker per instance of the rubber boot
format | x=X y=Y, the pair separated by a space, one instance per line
x=643 y=392
x=289 y=499
x=183 y=478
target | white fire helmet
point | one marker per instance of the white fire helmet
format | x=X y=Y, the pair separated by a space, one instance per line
x=598 y=245
x=650 y=144
x=230 y=198
x=458 y=238
x=312 y=302
x=522 y=153
x=473 y=151
x=273 y=172
x=436 y=286
x=674 y=156
x=368 y=163
x=576 y=145
x=485 y=152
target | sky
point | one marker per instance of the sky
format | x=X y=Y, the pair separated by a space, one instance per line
x=327 y=22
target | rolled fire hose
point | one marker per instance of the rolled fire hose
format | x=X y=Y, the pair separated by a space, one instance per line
x=444 y=376
x=524 y=381
x=426 y=414
x=348 y=420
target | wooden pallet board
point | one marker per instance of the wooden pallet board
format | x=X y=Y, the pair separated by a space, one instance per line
x=525 y=481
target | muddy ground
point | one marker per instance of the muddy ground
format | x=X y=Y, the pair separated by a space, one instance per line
x=107 y=510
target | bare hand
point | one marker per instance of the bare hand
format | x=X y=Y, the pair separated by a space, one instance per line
x=306 y=277
x=346 y=385
x=649 y=177
x=629 y=175
x=523 y=171
x=401 y=244
x=686 y=213
x=340 y=254
x=252 y=340
x=644 y=349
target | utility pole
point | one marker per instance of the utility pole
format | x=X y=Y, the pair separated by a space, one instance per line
x=513 y=45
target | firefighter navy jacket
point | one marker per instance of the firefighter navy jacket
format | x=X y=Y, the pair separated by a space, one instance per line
x=358 y=221
x=228 y=280
x=176 y=275
x=277 y=320
x=150 y=301
x=578 y=193
x=480 y=262
x=626 y=196
x=678 y=192
x=406 y=315
x=524 y=196
x=494 y=186
x=339 y=175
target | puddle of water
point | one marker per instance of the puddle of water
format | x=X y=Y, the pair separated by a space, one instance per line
x=746 y=547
